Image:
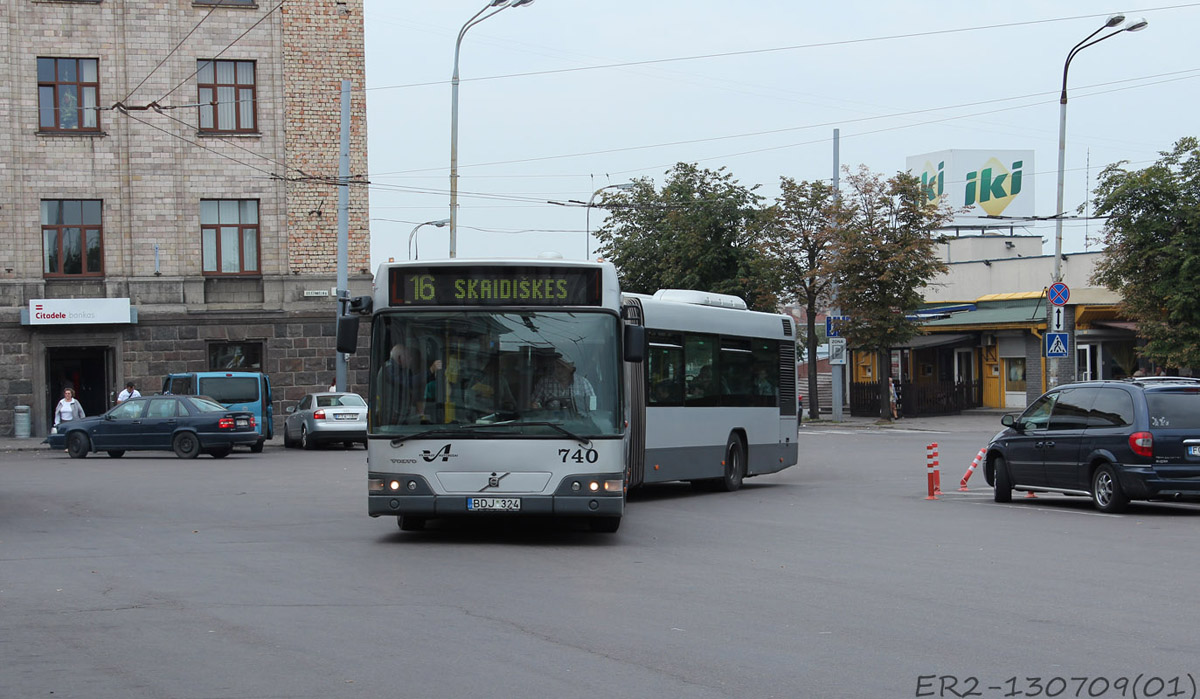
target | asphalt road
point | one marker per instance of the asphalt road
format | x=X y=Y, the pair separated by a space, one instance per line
x=261 y=576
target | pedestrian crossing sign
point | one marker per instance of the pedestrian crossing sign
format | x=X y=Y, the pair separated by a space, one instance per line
x=1056 y=344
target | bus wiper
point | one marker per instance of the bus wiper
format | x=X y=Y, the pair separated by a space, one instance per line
x=439 y=432
x=553 y=425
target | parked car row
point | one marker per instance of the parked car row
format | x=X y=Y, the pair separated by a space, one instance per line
x=190 y=424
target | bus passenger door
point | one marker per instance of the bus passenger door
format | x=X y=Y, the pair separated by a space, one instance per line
x=635 y=391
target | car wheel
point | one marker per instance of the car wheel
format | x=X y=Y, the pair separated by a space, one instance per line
x=604 y=525
x=116 y=453
x=1107 y=494
x=78 y=445
x=735 y=466
x=220 y=453
x=186 y=445
x=410 y=523
x=1003 y=487
x=257 y=447
x=287 y=438
x=305 y=442
x=347 y=445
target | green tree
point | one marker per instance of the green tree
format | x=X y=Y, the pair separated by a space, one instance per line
x=886 y=254
x=698 y=232
x=1152 y=250
x=798 y=244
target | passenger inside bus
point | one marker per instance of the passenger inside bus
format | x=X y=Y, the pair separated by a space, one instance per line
x=402 y=385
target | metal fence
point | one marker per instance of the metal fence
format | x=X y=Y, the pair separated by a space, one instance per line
x=924 y=398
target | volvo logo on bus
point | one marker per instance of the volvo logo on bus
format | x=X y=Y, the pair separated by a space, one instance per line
x=443 y=454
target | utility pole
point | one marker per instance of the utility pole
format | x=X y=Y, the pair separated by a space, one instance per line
x=838 y=383
x=343 y=239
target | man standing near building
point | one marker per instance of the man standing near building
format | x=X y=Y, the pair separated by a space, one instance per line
x=129 y=392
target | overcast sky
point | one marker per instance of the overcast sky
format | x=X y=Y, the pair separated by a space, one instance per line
x=562 y=97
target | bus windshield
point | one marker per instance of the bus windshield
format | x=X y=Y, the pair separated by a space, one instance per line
x=495 y=374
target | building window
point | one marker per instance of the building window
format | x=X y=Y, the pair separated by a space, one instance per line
x=226 y=99
x=68 y=94
x=235 y=355
x=229 y=236
x=72 y=238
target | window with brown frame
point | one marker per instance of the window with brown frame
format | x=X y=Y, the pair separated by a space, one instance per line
x=227 y=96
x=68 y=94
x=72 y=238
x=229 y=236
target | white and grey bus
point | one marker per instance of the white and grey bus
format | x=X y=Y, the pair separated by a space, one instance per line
x=518 y=387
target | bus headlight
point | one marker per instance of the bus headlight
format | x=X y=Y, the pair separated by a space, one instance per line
x=375 y=485
x=614 y=486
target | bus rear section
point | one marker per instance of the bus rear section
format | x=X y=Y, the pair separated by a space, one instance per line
x=496 y=391
x=237 y=390
x=715 y=400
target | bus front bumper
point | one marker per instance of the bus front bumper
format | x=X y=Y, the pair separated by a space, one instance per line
x=421 y=501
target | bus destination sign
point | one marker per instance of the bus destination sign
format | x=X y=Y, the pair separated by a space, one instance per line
x=493 y=286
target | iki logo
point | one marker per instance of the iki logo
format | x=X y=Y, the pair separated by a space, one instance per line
x=933 y=181
x=994 y=186
x=443 y=454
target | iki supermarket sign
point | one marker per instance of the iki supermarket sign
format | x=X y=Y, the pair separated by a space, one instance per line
x=78 y=311
x=985 y=182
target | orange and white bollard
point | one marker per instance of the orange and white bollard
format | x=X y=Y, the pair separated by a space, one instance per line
x=962 y=485
x=933 y=474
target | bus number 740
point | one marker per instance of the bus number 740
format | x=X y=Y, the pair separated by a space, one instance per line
x=579 y=455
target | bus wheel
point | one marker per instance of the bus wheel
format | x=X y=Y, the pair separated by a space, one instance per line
x=410 y=523
x=735 y=465
x=604 y=525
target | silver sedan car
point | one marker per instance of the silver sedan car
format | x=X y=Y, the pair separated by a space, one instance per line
x=324 y=418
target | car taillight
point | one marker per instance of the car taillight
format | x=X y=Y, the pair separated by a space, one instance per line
x=319 y=415
x=225 y=423
x=1142 y=443
x=253 y=424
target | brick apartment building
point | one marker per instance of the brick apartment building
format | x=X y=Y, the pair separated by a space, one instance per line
x=168 y=193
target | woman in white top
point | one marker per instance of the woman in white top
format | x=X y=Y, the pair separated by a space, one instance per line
x=68 y=408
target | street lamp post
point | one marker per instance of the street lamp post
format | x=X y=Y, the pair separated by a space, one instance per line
x=411 y=236
x=623 y=186
x=499 y=6
x=1111 y=23
x=1062 y=125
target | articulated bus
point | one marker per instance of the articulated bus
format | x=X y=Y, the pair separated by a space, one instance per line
x=535 y=388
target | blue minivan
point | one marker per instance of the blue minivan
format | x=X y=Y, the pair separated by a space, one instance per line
x=236 y=390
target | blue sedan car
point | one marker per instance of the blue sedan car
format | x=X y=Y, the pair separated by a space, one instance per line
x=187 y=425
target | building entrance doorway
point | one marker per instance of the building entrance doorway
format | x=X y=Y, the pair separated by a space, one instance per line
x=84 y=369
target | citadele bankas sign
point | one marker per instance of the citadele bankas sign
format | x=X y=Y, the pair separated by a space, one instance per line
x=78 y=311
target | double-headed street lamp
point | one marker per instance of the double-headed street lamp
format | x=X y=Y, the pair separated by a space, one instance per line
x=496 y=6
x=1112 y=22
x=439 y=223
x=623 y=186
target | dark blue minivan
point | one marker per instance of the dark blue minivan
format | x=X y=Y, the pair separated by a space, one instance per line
x=1112 y=441
x=237 y=390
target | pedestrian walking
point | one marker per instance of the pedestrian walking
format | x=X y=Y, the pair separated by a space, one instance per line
x=68 y=409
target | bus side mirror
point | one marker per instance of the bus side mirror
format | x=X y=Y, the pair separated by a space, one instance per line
x=347 y=334
x=635 y=343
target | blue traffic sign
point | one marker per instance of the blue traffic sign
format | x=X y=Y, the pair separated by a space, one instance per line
x=1057 y=344
x=833 y=325
x=1059 y=294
